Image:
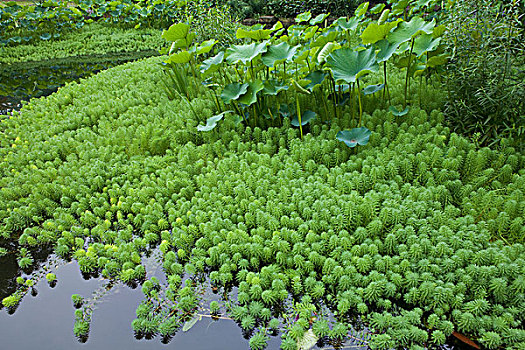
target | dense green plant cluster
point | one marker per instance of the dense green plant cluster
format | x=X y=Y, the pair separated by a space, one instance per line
x=92 y=39
x=486 y=80
x=47 y=19
x=403 y=232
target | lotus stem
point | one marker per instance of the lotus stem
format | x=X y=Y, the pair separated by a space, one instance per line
x=408 y=72
x=299 y=114
x=360 y=106
x=387 y=89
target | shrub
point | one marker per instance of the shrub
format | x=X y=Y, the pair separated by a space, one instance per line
x=486 y=77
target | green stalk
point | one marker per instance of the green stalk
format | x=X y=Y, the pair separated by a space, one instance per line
x=299 y=114
x=360 y=106
x=387 y=89
x=408 y=72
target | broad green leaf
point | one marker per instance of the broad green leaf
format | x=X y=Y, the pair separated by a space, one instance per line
x=303 y=17
x=348 y=65
x=323 y=39
x=189 y=324
x=354 y=137
x=212 y=64
x=273 y=87
x=179 y=57
x=205 y=47
x=397 y=113
x=308 y=340
x=278 y=53
x=183 y=43
x=347 y=24
x=316 y=78
x=319 y=19
x=377 y=8
x=399 y=7
x=298 y=88
x=260 y=34
x=406 y=31
x=361 y=9
x=375 y=32
x=233 y=91
x=250 y=97
x=306 y=117
x=325 y=51
x=437 y=61
x=425 y=43
x=386 y=50
x=176 y=31
x=372 y=89
x=245 y=53
x=309 y=33
x=384 y=16
x=211 y=123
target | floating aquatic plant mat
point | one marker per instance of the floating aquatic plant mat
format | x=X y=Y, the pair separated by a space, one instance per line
x=407 y=235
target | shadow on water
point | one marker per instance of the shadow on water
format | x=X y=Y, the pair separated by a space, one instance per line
x=23 y=81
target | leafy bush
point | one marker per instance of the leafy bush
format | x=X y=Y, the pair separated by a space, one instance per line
x=291 y=8
x=486 y=77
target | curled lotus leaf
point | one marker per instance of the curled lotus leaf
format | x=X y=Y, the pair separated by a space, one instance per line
x=250 y=97
x=397 y=113
x=306 y=117
x=347 y=24
x=386 y=50
x=273 y=87
x=211 y=123
x=319 y=18
x=303 y=17
x=179 y=57
x=354 y=137
x=425 y=43
x=375 y=32
x=316 y=78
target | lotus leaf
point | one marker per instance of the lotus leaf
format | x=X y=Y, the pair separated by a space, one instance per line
x=205 y=46
x=386 y=50
x=372 y=89
x=425 y=43
x=179 y=57
x=273 y=87
x=354 y=137
x=316 y=78
x=303 y=17
x=306 y=117
x=375 y=32
x=212 y=64
x=319 y=19
x=406 y=31
x=278 y=53
x=233 y=91
x=245 y=53
x=348 y=65
x=211 y=123
x=347 y=24
x=326 y=50
x=361 y=9
x=397 y=113
x=176 y=31
x=250 y=97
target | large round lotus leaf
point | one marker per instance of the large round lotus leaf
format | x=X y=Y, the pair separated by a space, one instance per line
x=305 y=118
x=250 y=97
x=212 y=64
x=425 y=43
x=348 y=65
x=386 y=50
x=245 y=53
x=278 y=53
x=437 y=61
x=211 y=123
x=405 y=31
x=325 y=38
x=273 y=87
x=176 y=31
x=375 y=32
x=354 y=137
x=233 y=91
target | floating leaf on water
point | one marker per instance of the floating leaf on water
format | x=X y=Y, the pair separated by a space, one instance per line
x=189 y=324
